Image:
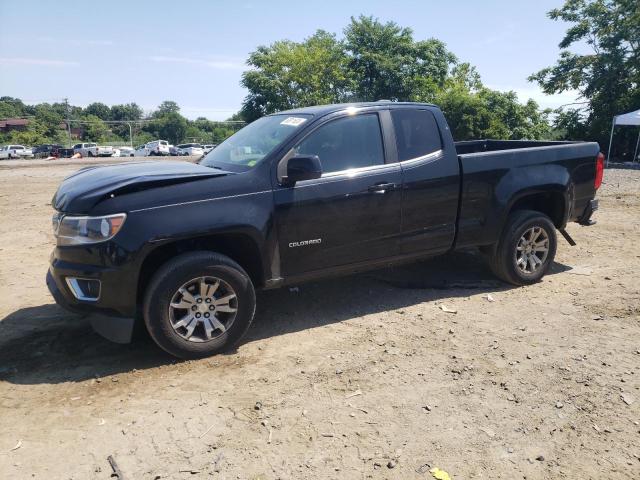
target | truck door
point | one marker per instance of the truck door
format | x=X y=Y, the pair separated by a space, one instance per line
x=431 y=182
x=349 y=215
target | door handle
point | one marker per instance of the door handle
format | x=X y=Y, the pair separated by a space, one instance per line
x=381 y=187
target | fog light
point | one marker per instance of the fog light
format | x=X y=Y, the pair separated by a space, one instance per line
x=84 y=289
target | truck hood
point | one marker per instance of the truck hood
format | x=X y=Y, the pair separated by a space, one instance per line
x=82 y=190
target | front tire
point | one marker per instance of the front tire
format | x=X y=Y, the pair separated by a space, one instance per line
x=526 y=249
x=199 y=304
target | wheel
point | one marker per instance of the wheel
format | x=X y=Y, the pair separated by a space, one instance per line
x=526 y=248
x=131 y=155
x=90 y=153
x=199 y=304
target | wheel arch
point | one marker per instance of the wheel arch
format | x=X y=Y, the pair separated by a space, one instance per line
x=239 y=246
x=553 y=201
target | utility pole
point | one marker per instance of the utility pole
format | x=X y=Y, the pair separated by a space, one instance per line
x=66 y=104
x=130 y=135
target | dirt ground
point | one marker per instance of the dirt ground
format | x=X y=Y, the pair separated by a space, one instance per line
x=352 y=378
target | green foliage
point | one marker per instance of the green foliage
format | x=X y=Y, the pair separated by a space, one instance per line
x=11 y=107
x=386 y=63
x=47 y=124
x=491 y=114
x=140 y=138
x=128 y=111
x=608 y=77
x=383 y=61
x=99 y=110
x=170 y=126
x=95 y=130
x=166 y=107
x=288 y=74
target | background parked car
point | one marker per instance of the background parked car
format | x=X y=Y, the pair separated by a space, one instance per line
x=15 y=151
x=173 y=150
x=46 y=150
x=126 y=151
x=64 y=153
x=93 y=150
x=208 y=148
x=190 y=149
x=157 y=148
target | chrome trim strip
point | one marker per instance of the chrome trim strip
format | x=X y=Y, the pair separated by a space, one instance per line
x=428 y=158
x=200 y=201
x=72 y=283
x=353 y=173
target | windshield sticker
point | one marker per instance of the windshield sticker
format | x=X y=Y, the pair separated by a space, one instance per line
x=293 y=121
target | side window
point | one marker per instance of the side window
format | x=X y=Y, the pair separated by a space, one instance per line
x=417 y=133
x=345 y=143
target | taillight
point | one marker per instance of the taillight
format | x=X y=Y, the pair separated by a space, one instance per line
x=599 y=171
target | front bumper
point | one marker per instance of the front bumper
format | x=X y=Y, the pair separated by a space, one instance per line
x=112 y=313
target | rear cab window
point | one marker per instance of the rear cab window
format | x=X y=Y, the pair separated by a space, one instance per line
x=417 y=133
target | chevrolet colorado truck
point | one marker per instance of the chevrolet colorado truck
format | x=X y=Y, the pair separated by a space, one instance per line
x=297 y=196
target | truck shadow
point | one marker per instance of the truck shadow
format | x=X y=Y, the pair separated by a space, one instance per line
x=46 y=344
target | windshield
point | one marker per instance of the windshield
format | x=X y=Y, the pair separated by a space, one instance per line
x=247 y=147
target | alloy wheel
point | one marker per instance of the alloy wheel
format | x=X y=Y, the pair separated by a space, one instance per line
x=532 y=250
x=203 y=308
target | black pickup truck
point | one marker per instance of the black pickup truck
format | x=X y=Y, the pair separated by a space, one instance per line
x=297 y=196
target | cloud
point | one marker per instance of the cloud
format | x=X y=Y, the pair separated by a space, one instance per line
x=62 y=40
x=200 y=62
x=42 y=62
x=101 y=43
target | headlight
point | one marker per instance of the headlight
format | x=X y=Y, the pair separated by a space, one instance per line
x=70 y=230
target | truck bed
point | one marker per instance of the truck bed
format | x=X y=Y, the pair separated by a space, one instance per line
x=493 y=169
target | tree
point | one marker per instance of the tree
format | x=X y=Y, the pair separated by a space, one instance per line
x=288 y=75
x=236 y=117
x=34 y=134
x=99 y=110
x=607 y=77
x=128 y=111
x=166 y=107
x=491 y=114
x=171 y=126
x=387 y=63
x=95 y=130
x=12 y=107
x=51 y=122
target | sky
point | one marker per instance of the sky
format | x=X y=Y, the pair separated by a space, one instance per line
x=194 y=52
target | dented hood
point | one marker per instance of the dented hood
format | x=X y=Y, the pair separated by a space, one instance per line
x=79 y=192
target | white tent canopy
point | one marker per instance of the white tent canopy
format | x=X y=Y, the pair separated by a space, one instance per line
x=631 y=118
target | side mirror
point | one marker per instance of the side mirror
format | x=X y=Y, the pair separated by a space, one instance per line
x=302 y=167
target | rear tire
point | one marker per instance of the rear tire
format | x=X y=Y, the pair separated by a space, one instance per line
x=90 y=153
x=187 y=279
x=526 y=249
